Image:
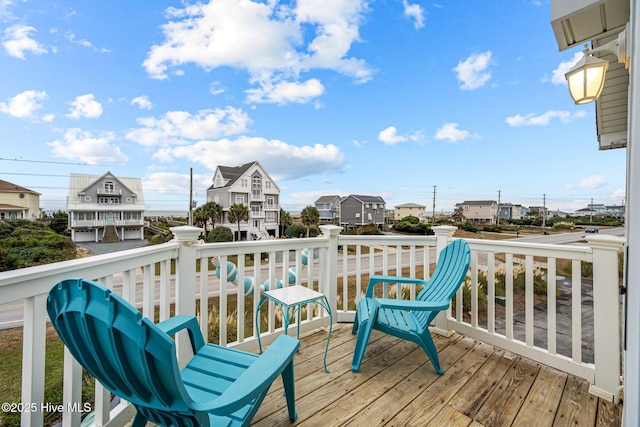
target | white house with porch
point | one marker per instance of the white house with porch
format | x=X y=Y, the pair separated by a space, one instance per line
x=105 y=208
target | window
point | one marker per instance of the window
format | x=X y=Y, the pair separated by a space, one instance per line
x=240 y=199
x=244 y=182
x=257 y=181
x=109 y=187
x=358 y=215
x=369 y=216
x=87 y=198
x=270 y=216
x=270 y=201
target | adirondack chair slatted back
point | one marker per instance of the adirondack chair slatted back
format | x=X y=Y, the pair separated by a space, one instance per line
x=452 y=267
x=126 y=352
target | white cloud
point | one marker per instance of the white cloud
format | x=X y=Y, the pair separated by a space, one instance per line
x=72 y=38
x=142 y=102
x=24 y=104
x=85 y=106
x=85 y=147
x=415 y=12
x=591 y=182
x=473 y=72
x=216 y=88
x=283 y=161
x=176 y=127
x=273 y=42
x=390 y=136
x=450 y=132
x=286 y=92
x=545 y=119
x=173 y=183
x=17 y=41
x=619 y=194
x=557 y=75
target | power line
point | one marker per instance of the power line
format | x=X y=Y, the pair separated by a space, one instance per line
x=50 y=162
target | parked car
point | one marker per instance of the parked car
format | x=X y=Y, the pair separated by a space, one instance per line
x=591 y=230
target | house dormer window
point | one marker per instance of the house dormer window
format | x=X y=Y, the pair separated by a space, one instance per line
x=109 y=187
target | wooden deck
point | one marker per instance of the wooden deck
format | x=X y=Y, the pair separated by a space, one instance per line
x=397 y=386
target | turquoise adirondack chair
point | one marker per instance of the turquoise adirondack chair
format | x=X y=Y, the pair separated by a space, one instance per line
x=410 y=319
x=135 y=359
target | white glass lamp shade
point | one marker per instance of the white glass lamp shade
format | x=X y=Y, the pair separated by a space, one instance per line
x=586 y=79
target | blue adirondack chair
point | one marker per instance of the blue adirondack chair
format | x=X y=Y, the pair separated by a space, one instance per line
x=135 y=359
x=410 y=319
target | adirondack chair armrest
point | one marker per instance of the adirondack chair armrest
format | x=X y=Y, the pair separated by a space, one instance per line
x=253 y=381
x=374 y=280
x=411 y=304
x=177 y=323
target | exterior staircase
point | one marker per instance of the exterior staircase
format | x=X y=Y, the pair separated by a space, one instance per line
x=110 y=234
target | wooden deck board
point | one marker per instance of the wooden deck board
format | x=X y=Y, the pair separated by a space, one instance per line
x=397 y=386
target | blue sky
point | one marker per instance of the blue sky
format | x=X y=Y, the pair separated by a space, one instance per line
x=387 y=98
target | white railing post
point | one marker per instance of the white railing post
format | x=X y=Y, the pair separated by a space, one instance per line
x=33 y=359
x=185 y=303
x=443 y=234
x=331 y=291
x=606 y=315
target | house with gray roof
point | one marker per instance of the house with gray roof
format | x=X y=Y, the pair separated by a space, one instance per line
x=105 y=208
x=359 y=210
x=329 y=208
x=250 y=185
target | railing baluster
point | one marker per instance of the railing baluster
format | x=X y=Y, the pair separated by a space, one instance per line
x=474 y=289
x=576 y=311
x=204 y=296
x=241 y=317
x=551 y=305
x=72 y=389
x=491 y=292
x=509 y=296
x=528 y=301
x=33 y=357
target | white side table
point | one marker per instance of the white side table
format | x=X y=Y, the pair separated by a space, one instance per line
x=290 y=300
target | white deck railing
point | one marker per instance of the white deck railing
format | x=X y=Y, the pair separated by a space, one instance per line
x=171 y=278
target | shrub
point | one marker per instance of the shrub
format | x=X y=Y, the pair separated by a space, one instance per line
x=563 y=225
x=409 y=227
x=27 y=243
x=467 y=226
x=220 y=234
x=299 y=230
x=492 y=228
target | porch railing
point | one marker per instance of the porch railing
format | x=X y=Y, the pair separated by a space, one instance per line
x=180 y=277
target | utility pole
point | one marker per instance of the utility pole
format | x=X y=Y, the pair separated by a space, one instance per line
x=498 y=214
x=190 y=196
x=591 y=211
x=433 y=218
x=544 y=210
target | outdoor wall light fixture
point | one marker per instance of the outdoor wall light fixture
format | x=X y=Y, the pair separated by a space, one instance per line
x=586 y=77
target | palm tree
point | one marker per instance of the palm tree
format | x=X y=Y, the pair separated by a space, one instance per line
x=238 y=213
x=213 y=211
x=285 y=221
x=200 y=217
x=309 y=216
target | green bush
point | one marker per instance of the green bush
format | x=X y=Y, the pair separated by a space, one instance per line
x=220 y=234
x=368 y=230
x=27 y=243
x=414 y=228
x=492 y=228
x=563 y=225
x=299 y=230
x=467 y=226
